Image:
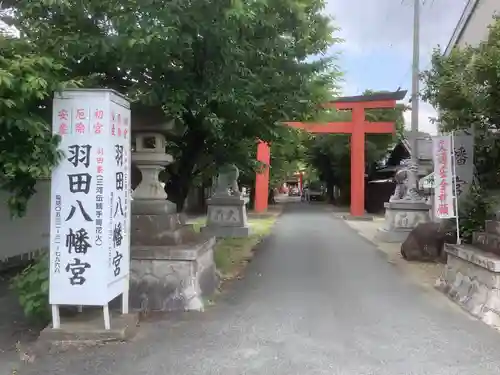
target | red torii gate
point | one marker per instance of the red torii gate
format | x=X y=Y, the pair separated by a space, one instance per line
x=357 y=127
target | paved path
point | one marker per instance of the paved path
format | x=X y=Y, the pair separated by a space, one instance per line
x=318 y=299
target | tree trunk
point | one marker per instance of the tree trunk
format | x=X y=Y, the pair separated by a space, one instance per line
x=330 y=184
x=251 y=204
x=270 y=199
x=181 y=172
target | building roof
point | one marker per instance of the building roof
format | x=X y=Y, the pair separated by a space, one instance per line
x=462 y=23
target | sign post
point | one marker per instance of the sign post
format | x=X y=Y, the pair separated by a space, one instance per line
x=463 y=149
x=90 y=201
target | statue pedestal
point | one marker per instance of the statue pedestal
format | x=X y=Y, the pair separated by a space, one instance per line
x=226 y=217
x=401 y=217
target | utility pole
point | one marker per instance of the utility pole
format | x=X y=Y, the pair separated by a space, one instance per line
x=415 y=81
x=412 y=206
x=412 y=183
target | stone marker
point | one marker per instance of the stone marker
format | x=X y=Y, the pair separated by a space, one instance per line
x=227 y=214
x=172 y=266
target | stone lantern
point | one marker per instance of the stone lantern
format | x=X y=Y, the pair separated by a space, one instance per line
x=150 y=158
x=172 y=266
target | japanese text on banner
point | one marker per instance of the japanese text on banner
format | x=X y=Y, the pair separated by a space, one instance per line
x=463 y=144
x=444 y=207
x=89 y=199
x=118 y=253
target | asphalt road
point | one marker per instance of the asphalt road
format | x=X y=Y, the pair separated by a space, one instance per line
x=317 y=299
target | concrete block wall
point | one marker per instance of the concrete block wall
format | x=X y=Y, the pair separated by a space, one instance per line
x=20 y=236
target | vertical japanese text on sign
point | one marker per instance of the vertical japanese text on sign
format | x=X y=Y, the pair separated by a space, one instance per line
x=89 y=213
x=443 y=174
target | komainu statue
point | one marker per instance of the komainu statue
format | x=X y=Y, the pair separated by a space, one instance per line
x=228 y=179
x=401 y=178
x=406 y=184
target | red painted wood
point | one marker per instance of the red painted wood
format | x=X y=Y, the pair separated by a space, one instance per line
x=343 y=127
x=358 y=127
x=358 y=163
x=262 y=178
x=378 y=127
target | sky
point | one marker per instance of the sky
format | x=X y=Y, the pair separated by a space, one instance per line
x=377 y=49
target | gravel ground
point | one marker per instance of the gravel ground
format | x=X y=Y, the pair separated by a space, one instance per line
x=317 y=299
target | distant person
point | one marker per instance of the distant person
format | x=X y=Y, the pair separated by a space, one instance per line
x=305 y=194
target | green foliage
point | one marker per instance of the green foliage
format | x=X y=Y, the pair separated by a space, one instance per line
x=465 y=90
x=473 y=212
x=225 y=71
x=28 y=148
x=288 y=154
x=32 y=288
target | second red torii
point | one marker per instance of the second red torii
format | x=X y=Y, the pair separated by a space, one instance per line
x=357 y=127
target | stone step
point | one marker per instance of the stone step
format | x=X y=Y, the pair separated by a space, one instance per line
x=474 y=255
x=493 y=227
x=487 y=242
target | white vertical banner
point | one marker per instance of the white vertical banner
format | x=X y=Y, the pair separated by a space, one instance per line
x=442 y=153
x=89 y=247
x=119 y=256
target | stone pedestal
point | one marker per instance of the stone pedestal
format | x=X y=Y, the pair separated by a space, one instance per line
x=226 y=217
x=401 y=216
x=172 y=266
x=471 y=277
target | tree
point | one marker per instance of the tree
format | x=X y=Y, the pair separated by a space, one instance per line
x=225 y=71
x=287 y=154
x=330 y=153
x=28 y=148
x=465 y=90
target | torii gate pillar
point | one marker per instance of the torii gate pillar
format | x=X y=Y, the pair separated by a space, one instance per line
x=357 y=127
x=262 y=178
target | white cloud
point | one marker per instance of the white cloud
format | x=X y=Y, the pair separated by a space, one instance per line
x=368 y=25
x=373 y=25
x=425 y=113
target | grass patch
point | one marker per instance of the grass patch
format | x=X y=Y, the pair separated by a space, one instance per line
x=230 y=254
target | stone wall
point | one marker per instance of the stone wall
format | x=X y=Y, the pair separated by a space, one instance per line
x=22 y=236
x=472 y=279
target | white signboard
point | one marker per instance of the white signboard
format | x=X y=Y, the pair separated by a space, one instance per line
x=90 y=207
x=427 y=182
x=444 y=207
x=463 y=144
